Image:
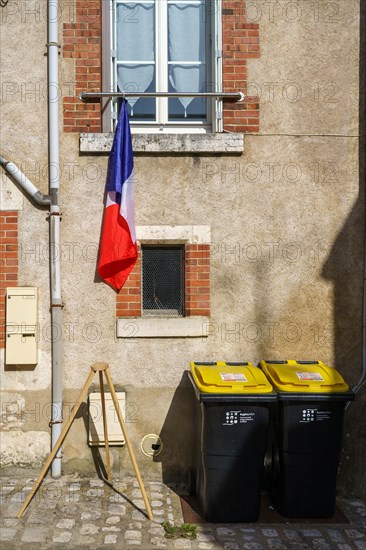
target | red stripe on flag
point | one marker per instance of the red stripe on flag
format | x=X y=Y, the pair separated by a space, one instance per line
x=118 y=253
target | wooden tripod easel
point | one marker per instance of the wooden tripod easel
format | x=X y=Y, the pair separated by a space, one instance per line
x=100 y=368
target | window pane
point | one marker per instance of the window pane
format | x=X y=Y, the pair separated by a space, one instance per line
x=187 y=32
x=135 y=32
x=162 y=280
x=187 y=59
x=187 y=107
x=133 y=78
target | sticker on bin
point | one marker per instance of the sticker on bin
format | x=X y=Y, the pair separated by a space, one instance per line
x=233 y=377
x=304 y=377
x=310 y=376
x=238 y=417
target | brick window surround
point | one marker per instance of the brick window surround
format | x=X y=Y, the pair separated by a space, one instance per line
x=8 y=260
x=82 y=46
x=196 y=284
x=197 y=242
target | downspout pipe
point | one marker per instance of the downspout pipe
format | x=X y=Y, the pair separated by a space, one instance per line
x=55 y=219
x=16 y=174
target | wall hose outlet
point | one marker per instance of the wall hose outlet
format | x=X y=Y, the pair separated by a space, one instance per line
x=151 y=445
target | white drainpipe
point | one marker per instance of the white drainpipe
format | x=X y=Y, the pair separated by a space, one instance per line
x=52 y=201
x=54 y=186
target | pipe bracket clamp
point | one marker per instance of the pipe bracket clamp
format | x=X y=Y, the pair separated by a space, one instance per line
x=52 y=422
x=59 y=214
x=58 y=305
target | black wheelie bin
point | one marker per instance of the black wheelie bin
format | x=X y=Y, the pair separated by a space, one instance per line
x=305 y=435
x=231 y=420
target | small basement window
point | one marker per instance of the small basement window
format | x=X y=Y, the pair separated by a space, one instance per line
x=163 y=281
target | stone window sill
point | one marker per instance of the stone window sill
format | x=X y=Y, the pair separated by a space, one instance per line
x=223 y=143
x=173 y=327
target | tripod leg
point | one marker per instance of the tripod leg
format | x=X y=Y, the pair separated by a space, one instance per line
x=57 y=444
x=129 y=446
x=105 y=427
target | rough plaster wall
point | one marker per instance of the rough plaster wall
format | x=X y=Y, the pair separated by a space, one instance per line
x=286 y=219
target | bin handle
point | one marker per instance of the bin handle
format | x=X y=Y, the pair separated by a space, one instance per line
x=235 y=364
x=307 y=362
x=206 y=363
x=276 y=362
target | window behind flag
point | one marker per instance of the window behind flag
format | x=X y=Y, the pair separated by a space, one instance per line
x=166 y=46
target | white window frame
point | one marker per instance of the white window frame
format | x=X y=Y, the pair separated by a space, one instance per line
x=163 y=126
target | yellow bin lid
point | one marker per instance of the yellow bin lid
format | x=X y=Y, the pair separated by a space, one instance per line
x=222 y=377
x=304 y=377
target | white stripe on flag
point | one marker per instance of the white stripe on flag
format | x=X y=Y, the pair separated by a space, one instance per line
x=127 y=209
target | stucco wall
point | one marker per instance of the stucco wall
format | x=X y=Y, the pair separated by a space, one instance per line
x=287 y=236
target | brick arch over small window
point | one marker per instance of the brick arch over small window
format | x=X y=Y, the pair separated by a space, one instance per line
x=82 y=46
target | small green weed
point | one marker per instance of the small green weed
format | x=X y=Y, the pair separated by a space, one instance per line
x=186 y=530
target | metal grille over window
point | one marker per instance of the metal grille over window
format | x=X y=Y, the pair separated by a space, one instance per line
x=163 y=281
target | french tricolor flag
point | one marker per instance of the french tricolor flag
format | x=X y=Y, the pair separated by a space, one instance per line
x=118 y=249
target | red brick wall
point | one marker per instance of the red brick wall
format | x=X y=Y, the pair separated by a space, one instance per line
x=8 y=260
x=197 y=279
x=82 y=43
x=197 y=285
x=240 y=43
x=128 y=301
x=82 y=39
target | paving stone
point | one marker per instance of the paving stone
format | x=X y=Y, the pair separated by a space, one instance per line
x=113 y=520
x=360 y=544
x=93 y=515
x=34 y=534
x=353 y=533
x=292 y=535
x=156 y=503
x=225 y=532
x=10 y=522
x=10 y=511
x=7 y=534
x=117 y=509
x=136 y=514
x=311 y=533
x=133 y=534
x=335 y=535
x=344 y=547
x=117 y=498
x=159 y=541
x=89 y=529
x=253 y=546
x=205 y=537
x=66 y=523
x=139 y=503
x=205 y=545
x=110 y=539
x=18 y=497
x=38 y=517
x=231 y=546
x=182 y=543
x=65 y=536
x=276 y=544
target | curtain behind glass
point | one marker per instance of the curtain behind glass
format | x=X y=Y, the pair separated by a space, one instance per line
x=136 y=45
x=186 y=43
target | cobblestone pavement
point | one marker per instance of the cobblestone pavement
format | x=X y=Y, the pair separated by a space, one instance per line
x=81 y=513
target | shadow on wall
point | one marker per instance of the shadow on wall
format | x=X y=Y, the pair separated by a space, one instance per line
x=344 y=268
x=177 y=435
